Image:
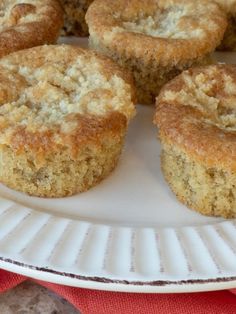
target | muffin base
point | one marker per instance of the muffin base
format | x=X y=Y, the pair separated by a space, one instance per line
x=74 y=17
x=61 y=175
x=210 y=191
x=149 y=78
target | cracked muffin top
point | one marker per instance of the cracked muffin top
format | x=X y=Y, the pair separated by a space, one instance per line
x=28 y=23
x=171 y=30
x=54 y=95
x=197 y=110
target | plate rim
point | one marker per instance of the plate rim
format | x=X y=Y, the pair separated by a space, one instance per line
x=47 y=272
x=107 y=284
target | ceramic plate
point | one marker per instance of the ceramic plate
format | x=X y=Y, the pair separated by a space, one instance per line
x=129 y=233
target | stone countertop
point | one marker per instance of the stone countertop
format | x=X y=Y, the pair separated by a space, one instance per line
x=30 y=298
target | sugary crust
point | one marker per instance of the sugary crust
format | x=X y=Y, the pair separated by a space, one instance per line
x=196 y=112
x=64 y=97
x=88 y=132
x=29 y=23
x=107 y=21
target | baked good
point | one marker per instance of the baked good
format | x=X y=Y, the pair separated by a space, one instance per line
x=63 y=117
x=196 y=116
x=229 y=40
x=74 y=16
x=29 y=23
x=156 y=41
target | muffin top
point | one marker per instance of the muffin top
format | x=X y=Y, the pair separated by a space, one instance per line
x=61 y=95
x=196 y=111
x=170 y=30
x=28 y=23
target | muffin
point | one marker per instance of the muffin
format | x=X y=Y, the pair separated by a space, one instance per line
x=229 y=40
x=74 y=15
x=29 y=23
x=196 y=116
x=156 y=41
x=63 y=117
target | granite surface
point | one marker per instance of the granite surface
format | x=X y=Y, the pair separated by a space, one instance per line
x=30 y=298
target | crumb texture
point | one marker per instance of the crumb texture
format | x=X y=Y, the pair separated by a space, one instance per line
x=196 y=116
x=61 y=175
x=210 y=191
x=63 y=117
x=20 y=21
x=74 y=17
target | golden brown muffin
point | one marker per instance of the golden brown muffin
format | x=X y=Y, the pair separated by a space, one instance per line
x=29 y=23
x=74 y=16
x=196 y=116
x=156 y=41
x=229 y=40
x=63 y=117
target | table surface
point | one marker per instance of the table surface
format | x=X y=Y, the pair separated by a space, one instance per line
x=30 y=298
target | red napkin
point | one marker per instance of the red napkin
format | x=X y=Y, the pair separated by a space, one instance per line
x=101 y=302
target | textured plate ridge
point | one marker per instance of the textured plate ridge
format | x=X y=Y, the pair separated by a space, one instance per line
x=138 y=257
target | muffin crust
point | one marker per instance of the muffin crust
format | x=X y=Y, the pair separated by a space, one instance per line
x=156 y=41
x=29 y=23
x=63 y=124
x=197 y=127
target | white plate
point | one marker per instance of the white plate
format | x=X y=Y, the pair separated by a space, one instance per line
x=127 y=234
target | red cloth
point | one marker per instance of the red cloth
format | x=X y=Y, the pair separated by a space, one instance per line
x=100 y=302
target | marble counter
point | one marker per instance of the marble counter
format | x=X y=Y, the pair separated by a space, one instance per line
x=30 y=298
